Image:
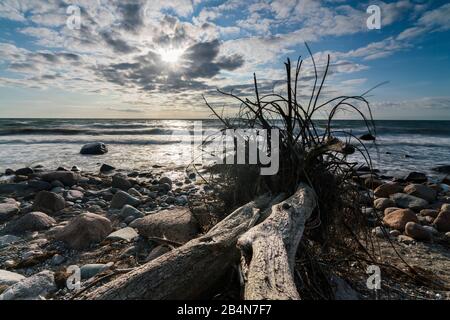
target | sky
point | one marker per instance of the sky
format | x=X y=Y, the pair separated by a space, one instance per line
x=156 y=59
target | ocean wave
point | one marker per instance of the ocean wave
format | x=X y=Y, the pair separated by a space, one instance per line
x=81 y=131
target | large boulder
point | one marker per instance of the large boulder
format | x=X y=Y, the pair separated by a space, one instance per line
x=442 y=222
x=94 y=148
x=84 y=230
x=421 y=191
x=177 y=225
x=403 y=200
x=8 y=278
x=35 y=287
x=8 y=209
x=399 y=218
x=48 y=202
x=68 y=178
x=122 y=198
x=416 y=231
x=386 y=189
x=33 y=221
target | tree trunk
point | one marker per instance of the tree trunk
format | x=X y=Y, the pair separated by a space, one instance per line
x=269 y=249
x=187 y=271
x=268 y=253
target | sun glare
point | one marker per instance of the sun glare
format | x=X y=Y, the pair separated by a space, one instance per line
x=171 y=55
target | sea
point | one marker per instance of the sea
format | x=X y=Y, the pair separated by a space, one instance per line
x=140 y=144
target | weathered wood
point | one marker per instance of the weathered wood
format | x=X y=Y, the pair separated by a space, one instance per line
x=269 y=249
x=187 y=271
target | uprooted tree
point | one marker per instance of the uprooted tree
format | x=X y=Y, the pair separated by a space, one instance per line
x=279 y=223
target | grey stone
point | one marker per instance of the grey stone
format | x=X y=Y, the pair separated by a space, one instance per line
x=34 y=287
x=125 y=234
x=67 y=178
x=33 y=221
x=128 y=211
x=8 y=278
x=8 y=239
x=121 y=182
x=89 y=270
x=122 y=198
x=48 y=202
x=403 y=200
x=84 y=230
x=8 y=210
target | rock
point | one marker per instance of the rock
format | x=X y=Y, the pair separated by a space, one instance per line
x=445 y=207
x=75 y=169
x=447 y=235
x=84 y=230
x=408 y=201
x=134 y=192
x=431 y=230
x=128 y=211
x=166 y=180
x=125 y=234
x=367 y=137
x=192 y=176
x=94 y=148
x=443 y=169
x=421 y=191
x=17 y=188
x=416 y=231
x=442 y=222
x=429 y=213
x=417 y=177
x=181 y=200
x=121 y=182
x=24 y=171
x=405 y=239
x=122 y=198
x=164 y=187
x=8 y=239
x=57 y=260
x=378 y=232
x=48 y=202
x=39 y=185
x=394 y=233
x=33 y=221
x=34 y=287
x=106 y=168
x=389 y=210
x=57 y=184
x=9 y=172
x=8 y=278
x=73 y=195
x=383 y=203
x=67 y=178
x=89 y=270
x=399 y=218
x=8 y=210
x=386 y=189
x=177 y=225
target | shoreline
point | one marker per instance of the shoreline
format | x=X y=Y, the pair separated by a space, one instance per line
x=117 y=220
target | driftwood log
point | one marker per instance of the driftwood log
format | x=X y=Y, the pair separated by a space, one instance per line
x=269 y=249
x=189 y=271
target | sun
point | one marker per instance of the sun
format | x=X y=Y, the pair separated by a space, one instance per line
x=170 y=55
